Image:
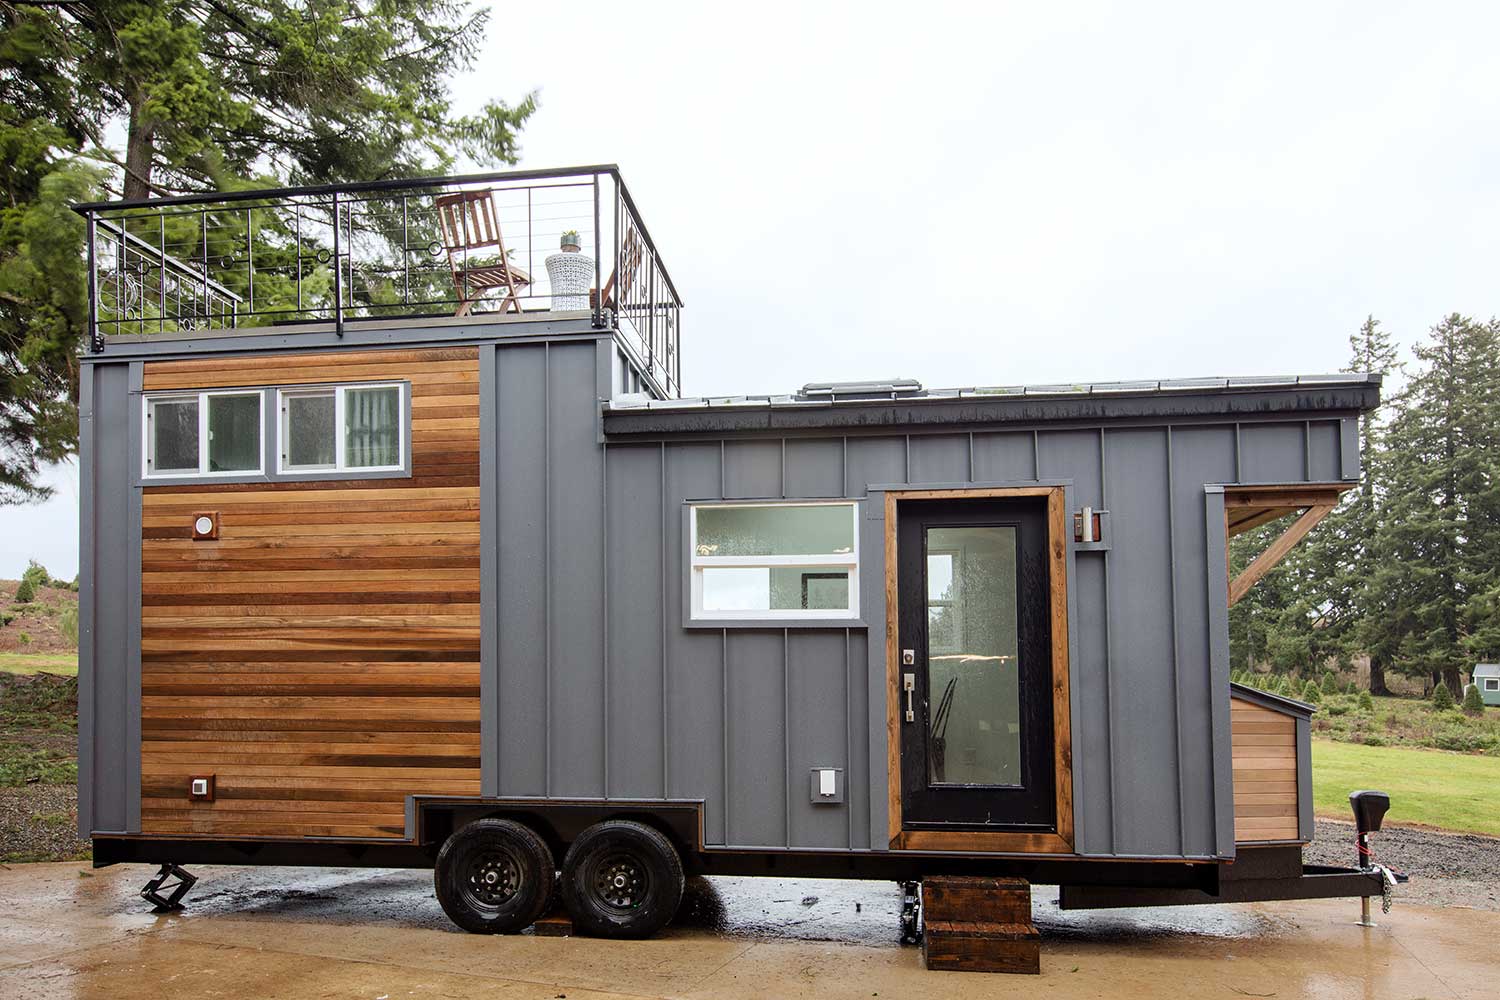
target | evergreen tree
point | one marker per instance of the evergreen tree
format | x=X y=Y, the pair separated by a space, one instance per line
x=1442 y=698
x=1473 y=703
x=1436 y=550
x=208 y=95
x=1309 y=609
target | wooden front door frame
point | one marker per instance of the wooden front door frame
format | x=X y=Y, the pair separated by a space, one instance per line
x=1008 y=842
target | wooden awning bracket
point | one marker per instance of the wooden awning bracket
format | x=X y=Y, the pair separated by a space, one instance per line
x=1249 y=507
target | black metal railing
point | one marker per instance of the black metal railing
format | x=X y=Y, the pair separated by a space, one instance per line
x=475 y=245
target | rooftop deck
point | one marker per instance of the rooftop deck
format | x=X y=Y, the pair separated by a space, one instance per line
x=483 y=247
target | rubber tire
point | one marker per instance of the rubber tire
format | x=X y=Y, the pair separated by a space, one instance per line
x=648 y=848
x=537 y=875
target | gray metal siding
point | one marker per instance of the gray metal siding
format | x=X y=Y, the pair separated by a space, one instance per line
x=109 y=623
x=749 y=710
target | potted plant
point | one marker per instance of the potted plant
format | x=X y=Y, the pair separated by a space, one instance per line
x=570 y=274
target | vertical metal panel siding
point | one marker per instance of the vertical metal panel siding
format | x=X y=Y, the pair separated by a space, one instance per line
x=738 y=716
x=817 y=735
x=1199 y=455
x=522 y=611
x=636 y=650
x=1143 y=701
x=1004 y=457
x=575 y=558
x=109 y=770
x=1272 y=453
x=696 y=669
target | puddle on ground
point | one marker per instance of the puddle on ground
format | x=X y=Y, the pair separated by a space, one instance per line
x=851 y=912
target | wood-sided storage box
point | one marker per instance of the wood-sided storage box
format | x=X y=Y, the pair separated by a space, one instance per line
x=1272 y=754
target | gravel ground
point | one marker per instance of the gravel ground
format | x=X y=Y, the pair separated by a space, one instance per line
x=37 y=823
x=1446 y=869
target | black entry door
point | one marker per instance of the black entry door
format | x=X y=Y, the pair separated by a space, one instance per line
x=975 y=649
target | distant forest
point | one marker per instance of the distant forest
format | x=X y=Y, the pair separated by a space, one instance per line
x=1406 y=570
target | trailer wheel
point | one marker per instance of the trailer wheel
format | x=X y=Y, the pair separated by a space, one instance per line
x=621 y=879
x=494 y=876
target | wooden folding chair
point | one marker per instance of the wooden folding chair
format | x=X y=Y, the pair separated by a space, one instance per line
x=468 y=223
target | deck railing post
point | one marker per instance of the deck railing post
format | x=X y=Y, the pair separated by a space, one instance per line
x=338 y=273
x=96 y=340
x=598 y=248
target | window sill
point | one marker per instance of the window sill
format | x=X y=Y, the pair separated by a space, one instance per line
x=774 y=623
x=348 y=475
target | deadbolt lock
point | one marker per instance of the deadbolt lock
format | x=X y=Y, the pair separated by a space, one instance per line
x=908 y=657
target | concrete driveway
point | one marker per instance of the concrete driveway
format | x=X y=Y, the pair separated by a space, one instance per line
x=66 y=931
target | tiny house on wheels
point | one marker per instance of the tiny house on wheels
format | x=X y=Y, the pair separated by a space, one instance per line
x=401 y=547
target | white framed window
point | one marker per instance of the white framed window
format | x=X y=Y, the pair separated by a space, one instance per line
x=774 y=561
x=342 y=428
x=214 y=433
x=1492 y=683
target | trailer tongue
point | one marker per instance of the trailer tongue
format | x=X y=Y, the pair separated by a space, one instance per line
x=1267 y=873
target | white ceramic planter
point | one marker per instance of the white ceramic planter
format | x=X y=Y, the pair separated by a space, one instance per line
x=571 y=274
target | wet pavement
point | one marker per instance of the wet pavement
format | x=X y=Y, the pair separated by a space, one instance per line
x=66 y=931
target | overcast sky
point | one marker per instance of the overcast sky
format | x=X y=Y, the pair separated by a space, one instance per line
x=1002 y=193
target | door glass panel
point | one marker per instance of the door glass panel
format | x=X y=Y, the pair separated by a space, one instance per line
x=973 y=657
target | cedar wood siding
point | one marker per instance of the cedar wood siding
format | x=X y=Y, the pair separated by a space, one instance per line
x=1265 y=773
x=321 y=658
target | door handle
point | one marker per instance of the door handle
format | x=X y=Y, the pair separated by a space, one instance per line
x=909 y=685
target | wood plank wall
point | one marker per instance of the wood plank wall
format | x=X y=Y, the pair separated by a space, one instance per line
x=321 y=658
x=1264 y=751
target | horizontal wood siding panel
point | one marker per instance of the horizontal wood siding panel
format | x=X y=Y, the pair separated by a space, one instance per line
x=1264 y=751
x=321 y=658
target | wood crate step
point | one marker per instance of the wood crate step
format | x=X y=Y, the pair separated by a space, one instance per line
x=556 y=923
x=989 y=900
x=979 y=946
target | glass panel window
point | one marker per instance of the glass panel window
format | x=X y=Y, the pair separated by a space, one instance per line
x=234 y=433
x=973 y=656
x=308 y=430
x=203 y=434
x=173 y=443
x=1492 y=684
x=824 y=529
x=343 y=428
x=372 y=427
x=774 y=561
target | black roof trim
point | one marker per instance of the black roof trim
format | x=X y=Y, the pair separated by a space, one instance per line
x=1275 y=702
x=1220 y=400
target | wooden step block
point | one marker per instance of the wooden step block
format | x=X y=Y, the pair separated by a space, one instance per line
x=974 y=946
x=556 y=923
x=986 y=900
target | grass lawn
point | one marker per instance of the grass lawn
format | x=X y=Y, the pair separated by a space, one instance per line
x=39 y=663
x=1453 y=791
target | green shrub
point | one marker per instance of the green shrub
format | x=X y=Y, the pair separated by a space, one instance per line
x=25 y=638
x=1311 y=693
x=1371 y=740
x=37 y=574
x=1473 y=703
x=67 y=624
x=1337 y=707
x=1330 y=684
x=6 y=617
x=1366 y=702
x=26 y=592
x=1461 y=739
x=1442 y=698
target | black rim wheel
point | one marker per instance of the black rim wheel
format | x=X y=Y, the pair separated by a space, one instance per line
x=621 y=881
x=492 y=878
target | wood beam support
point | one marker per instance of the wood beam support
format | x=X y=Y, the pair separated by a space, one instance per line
x=1276 y=551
